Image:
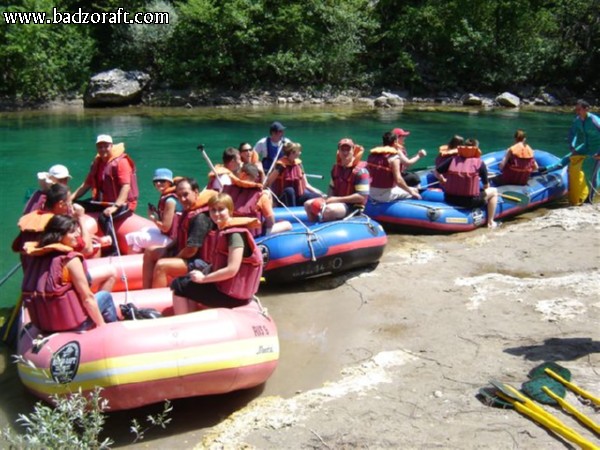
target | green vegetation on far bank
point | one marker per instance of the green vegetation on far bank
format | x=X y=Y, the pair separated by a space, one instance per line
x=421 y=46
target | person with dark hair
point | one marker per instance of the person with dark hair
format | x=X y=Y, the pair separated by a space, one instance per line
x=288 y=180
x=113 y=181
x=236 y=264
x=449 y=150
x=249 y=156
x=55 y=285
x=224 y=172
x=387 y=182
x=461 y=176
x=584 y=161
x=161 y=263
x=32 y=225
x=269 y=148
x=518 y=162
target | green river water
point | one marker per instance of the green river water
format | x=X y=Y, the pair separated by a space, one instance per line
x=32 y=142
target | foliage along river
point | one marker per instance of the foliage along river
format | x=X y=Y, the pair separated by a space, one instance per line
x=32 y=142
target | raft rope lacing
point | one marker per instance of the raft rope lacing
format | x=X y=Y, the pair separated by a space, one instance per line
x=120 y=258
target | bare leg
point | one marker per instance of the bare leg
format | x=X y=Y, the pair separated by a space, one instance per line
x=103 y=278
x=281 y=226
x=151 y=256
x=491 y=195
x=166 y=268
x=180 y=305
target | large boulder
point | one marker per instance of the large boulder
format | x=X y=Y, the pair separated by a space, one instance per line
x=508 y=99
x=115 y=88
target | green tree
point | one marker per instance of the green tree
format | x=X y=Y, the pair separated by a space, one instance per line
x=42 y=61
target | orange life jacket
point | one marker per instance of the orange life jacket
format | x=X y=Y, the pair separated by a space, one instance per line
x=519 y=165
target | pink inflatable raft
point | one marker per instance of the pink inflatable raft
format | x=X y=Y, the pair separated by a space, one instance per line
x=140 y=362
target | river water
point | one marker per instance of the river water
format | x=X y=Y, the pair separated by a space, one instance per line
x=32 y=142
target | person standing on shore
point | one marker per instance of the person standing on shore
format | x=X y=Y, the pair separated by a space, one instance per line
x=584 y=162
x=269 y=148
x=113 y=181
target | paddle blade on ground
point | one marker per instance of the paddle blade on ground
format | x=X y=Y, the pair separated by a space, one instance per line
x=534 y=389
x=540 y=370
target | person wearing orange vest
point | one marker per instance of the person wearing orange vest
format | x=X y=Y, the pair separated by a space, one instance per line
x=348 y=189
x=161 y=263
x=448 y=150
x=165 y=216
x=113 y=181
x=55 y=286
x=518 y=162
x=460 y=177
x=230 y=167
x=236 y=264
x=287 y=179
x=249 y=156
x=387 y=183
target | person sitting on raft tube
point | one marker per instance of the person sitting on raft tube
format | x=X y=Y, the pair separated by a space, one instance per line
x=226 y=171
x=251 y=200
x=165 y=215
x=113 y=181
x=236 y=264
x=448 y=150
x=269 y=148
x=31 y=225
x=460 y=177
x=518 y=162
x=55 y=286
x=387 y=183
x=288 y=181
x=411 y=179
x=249 y=156
x=348 y=189
x=163 y=263
x=56 y=174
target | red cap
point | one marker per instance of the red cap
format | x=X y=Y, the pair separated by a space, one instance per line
x=400 y=132
x=346 y=141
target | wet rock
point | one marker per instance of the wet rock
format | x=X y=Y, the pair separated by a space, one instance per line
x=471 y=100
x=116 y=88
x=508 y=99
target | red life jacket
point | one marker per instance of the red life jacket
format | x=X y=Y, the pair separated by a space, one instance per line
x=187 y=216
x=292 y=175
x=244 y=284
x=36 y=201
x=245 y=202
x=519 y=165
x=48 y=294
x=463 y=176
x=343 y=178
x=162 y=201
x=105 y=185
x=379 y=167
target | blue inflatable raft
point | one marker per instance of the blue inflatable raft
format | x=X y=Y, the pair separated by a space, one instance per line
x=432 y=214
x=312 y=250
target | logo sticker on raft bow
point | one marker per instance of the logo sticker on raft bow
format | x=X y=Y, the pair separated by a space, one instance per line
x=65 y=362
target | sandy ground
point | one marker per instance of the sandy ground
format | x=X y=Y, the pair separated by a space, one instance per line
x=394 y=357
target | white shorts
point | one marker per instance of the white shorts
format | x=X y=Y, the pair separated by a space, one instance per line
x=387 y=194
x=146 y=237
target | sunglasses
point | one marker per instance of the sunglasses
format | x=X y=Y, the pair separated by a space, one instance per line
x=245 y=150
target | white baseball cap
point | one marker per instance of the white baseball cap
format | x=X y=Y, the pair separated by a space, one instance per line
x=104 y=138
x=58 y=172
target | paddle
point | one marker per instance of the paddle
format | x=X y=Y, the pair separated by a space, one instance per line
x=563 y=375
x=210 y=164
x=539 y=415
x=314 y=175
x=548 y=391
x=10 y=273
